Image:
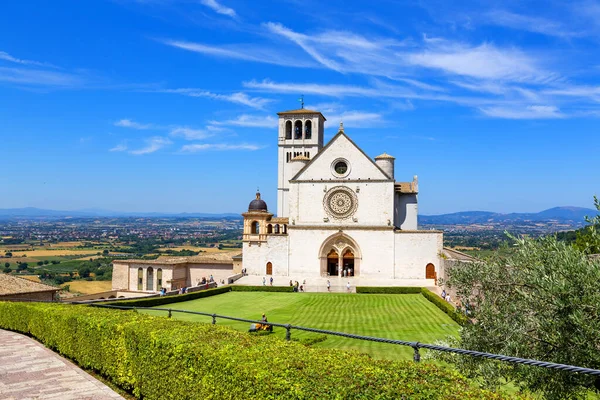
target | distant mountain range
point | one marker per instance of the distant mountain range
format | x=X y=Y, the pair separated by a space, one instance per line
x=558 y=214
x=32 y=212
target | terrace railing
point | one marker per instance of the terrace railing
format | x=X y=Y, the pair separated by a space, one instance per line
x=415 y=345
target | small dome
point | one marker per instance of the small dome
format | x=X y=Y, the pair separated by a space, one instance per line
x=257 y=204
x=385 y=156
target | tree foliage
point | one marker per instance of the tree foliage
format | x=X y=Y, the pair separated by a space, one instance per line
x=542 y=302
x=588 y=239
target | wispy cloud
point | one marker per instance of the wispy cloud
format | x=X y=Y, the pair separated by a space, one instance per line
x=153 y=144
x=7 y=57
x=219 y=8
x=242 y=52
x=250 y=121
x=356 y=119
x=195 y=134
x=528 y=23
x=529 y=112
x=485 y=61
x=194 y=148
x=237 y=98
x=127 y=123
x=119 y=147
x=37 y=77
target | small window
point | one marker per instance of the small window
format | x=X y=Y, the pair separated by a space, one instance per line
x=159 y=279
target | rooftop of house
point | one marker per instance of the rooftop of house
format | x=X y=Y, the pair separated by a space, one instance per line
x=10 y=284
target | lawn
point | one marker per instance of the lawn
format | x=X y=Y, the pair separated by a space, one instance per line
x=406 y=317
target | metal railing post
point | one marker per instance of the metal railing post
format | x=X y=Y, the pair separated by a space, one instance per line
x=288 y=332
x=214 y=316
x=416 y=355
x=169 y=313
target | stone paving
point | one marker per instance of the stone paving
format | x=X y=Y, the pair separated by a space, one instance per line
x=28 y=370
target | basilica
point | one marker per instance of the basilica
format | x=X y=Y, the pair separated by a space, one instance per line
x=339 y=212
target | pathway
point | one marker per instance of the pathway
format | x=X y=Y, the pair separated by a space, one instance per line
x=28 y=370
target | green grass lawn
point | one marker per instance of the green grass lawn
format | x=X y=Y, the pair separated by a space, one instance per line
x=406 y=317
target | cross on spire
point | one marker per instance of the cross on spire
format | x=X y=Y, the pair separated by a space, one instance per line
x=301 y=100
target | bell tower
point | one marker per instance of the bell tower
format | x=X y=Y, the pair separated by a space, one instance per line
x=300 y=134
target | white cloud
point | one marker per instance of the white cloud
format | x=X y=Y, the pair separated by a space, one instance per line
x=529 y=112
x=250 y=121
x=219 y=8
x=152 y=144
x=127 y=123
x=238 y=97
x=194 y=148
x=119 y=147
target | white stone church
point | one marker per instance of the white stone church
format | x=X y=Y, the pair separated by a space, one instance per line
x=339 y=212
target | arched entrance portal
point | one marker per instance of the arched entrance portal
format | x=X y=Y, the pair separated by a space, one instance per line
x=269 y=268
x=340 y=256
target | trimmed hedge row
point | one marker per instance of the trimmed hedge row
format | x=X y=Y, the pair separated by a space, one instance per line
x=388 y=290
x=444 y=306
x=161 y=358
x=237 y=288
x=159 y=301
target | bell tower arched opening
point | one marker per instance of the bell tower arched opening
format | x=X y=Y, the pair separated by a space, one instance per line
x=298 y=129
x=288 y=130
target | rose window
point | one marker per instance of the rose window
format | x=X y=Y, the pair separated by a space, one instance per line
x=340 y=202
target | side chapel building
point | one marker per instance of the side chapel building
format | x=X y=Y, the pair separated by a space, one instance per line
x=339 y=212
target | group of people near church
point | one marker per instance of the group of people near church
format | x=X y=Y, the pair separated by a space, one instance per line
x=297 y=286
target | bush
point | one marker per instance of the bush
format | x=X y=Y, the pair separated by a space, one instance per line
x=159 y=301
x=161 y=358
x=237 y=288
x=444 y=306
x=388 y=290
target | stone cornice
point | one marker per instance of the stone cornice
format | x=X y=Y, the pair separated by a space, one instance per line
x=342 y=228
x=341 y=180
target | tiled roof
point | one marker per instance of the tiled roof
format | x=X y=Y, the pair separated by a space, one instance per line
x=385 y=156
x=301 y=111
x=10 y=284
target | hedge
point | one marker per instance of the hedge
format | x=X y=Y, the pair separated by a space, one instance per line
x=444 y=306
x=237 y=288
x=160 y=358
x=388 y=290
x=159 y=301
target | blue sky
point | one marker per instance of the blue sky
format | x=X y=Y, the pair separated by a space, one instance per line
x=167 y=105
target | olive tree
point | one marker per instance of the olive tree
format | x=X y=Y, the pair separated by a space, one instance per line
x=541 y=302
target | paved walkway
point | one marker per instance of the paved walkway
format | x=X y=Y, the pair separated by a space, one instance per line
x=338 y=284
x=28 y=370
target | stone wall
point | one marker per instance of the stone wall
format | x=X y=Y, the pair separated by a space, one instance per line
x=414 y=250
x=41 y=296
x=120 y=276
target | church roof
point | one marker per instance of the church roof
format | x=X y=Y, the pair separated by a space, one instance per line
x=385 y=156
x=322 y=151
x=302 y=111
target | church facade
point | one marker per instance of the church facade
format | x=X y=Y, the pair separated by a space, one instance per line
x=339 y=212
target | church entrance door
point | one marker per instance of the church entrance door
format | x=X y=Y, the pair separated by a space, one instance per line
x=348 y=260
x=332 y=263
x=430 y=271
x=269 y=268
